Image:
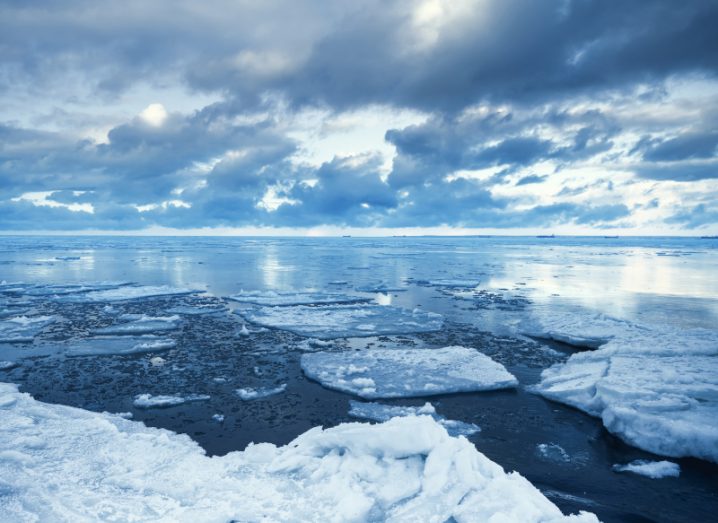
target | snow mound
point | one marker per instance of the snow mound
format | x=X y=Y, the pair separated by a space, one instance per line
x=341 y=321
x=141 y=324
x=248 y=394
x=109 y=345
x=23 y=329
x=655 y=387
x=381 y=412
x=148 y=401
x=397 y=373
x=277 y=299
x=125 y=293
x=60 y=463
x=651 y=469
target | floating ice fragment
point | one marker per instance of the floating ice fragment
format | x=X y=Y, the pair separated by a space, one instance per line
x=148 y=401
x=199 y=310
x=125 y=293
x=651 y=469
x=379 y=287
x=468 y=284
x=339 y=321
x=7 y=365
x=219 y=418
x=552 y=452
x=248 y=394
x=396 y=373
x=244 y=331
x=278 y=299
x=23 y=329
x=381 y=412
x=141 y=324
x=157 y=361
x=407 y=469
x=102 y=346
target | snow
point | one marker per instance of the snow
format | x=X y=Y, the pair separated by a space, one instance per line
x=124 y=293
x=277 y=299
x=397 y=373
x=60 y=463
x=248 y=394
x=339 y=321
x=651 y=469
x=23 y=329
x=381 y=412
x=148 y=401
x=141 y=324
x=109 y=345
x=655 y=387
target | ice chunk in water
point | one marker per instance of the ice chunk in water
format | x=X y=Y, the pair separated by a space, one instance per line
x=274 y=299
x=141 y=324
x=379 y=287
x=651 y=469
x=148 y=401
x=90 y=465
x=453 y=283
x=381 y=412
x=341 y=321
x=572 y=327
x=7 y=365
x=396 y=373
x=109 y=345
x=130 y=292
x=23 y=329
x=196 y=310
x=253 y=394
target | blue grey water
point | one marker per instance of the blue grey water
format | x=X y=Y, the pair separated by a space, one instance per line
x=667 y=281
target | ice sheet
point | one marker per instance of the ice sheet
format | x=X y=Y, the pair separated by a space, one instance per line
x=339 y=321
x=381 y=412
x=141 y=324
x=396 y=373
x=125 y=293
x=60 y=463
x=110 y=345
x=274 y=299
x=23 y=329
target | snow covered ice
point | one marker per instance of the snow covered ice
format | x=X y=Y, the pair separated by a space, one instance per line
x=396 y=373
x=249 y=393
x=141 y=324
x=275 y=299
x=380 y=412
x=651 y=469
x=23 y=329
x=99 y=466
x=149 y=401
x=339 y=321
x=656 y=387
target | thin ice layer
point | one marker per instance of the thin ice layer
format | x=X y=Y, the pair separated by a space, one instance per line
x=196 y=310
x=655 y=387
x=129 y=292
x=141 y=324
x=397 y=373
x=380 y=412
x=275 y=299
x=339 y=321
x=60 y=463
x=23 y=329
x=110 y=345
x=149 y=401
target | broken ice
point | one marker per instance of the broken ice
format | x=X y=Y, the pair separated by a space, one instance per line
x=248 y=393
x=148 y=401
x=275 y=299
x=651 y=469
x=141 y=324
x=23 y=329
x=110 y=345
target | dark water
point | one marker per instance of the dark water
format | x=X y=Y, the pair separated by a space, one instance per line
x=210 y=358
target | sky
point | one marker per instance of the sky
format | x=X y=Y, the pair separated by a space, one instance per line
x=368 y=117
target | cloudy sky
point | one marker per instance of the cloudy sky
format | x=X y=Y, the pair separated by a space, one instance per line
x=498 y=116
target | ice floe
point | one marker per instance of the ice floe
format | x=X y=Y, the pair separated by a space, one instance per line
x=277 y=299
x=380 y=412
x=23 y=329
x=111 y=345
x=651 y=469
x=61 y=463
x=396 y=373
x=7 y=365
x=340 y=321
x=379 y=287
x=656 y=387
x=141 y=324
x=196 y=310
x=248 y=393
x=148 y=401
x=126 y=293
x=453 y=283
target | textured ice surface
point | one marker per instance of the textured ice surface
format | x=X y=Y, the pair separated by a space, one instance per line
x=396 y=373
x=381 y=412
x=262 y=392
x=379 y=287
x=108 y=345
x=339 y=321
x=272 y=298
x=66 y=289
x=552 y=452
x=197 y=310
x=451 y=283
x=590 y=330
x=60 y=463
x=141 y=324
x=655 y=387
x=124 y=293
x=23 y=329
x=651 y=469
x=148 y=401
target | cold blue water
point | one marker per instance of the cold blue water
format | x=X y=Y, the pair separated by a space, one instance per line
x=483 y=288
